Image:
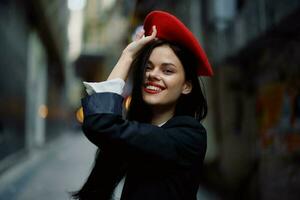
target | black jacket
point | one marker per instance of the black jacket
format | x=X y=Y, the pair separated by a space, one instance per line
x=159 y=162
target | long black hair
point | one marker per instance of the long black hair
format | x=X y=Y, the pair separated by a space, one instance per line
x=192 y=104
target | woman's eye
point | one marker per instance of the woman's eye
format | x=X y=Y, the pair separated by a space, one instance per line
x=168 y=71
x=148 y=67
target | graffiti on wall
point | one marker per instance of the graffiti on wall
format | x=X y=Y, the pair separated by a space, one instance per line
x=278 y=114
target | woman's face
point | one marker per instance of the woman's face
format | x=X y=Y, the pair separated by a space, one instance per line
x=164 y=79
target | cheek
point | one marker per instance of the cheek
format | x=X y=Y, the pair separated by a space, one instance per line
x=175 y=84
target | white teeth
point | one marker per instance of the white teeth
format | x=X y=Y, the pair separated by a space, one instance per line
x=151 y=87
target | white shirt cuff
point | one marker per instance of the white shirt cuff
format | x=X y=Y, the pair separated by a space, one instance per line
x=114 y=86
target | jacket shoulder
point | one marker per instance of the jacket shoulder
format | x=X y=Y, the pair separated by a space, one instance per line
x=183 y=121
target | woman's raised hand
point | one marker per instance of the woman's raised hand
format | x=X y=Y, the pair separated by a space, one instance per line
x=122 y=67
x=139 y=41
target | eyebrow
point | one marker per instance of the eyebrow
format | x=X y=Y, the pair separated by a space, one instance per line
x=163 y=64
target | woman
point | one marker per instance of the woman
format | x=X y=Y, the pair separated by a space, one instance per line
x=157 y=151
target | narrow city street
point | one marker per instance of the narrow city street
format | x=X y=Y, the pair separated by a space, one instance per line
x=52 y=172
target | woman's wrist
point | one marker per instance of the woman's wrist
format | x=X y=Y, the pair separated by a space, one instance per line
x=127 y=57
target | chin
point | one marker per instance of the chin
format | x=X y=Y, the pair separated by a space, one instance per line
x=157 y=102
x=151 y=101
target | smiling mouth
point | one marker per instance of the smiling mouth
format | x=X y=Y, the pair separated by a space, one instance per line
x=153 y=88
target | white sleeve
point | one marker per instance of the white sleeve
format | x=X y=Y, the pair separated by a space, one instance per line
x=114 y=85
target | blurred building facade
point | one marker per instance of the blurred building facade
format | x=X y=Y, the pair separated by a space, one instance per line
x=33 y=58
x=254 y=48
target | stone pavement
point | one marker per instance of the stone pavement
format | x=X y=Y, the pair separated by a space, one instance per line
x=50 y=173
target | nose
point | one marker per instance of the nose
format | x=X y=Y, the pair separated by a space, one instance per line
x=153 y=74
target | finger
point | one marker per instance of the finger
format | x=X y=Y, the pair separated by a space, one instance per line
x=144 y=40
x=139 y=35
x=154 y=31
x=152 y=36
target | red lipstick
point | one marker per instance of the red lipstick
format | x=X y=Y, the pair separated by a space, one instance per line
x=153 y=88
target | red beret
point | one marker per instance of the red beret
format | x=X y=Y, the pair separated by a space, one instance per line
x=172 y=29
